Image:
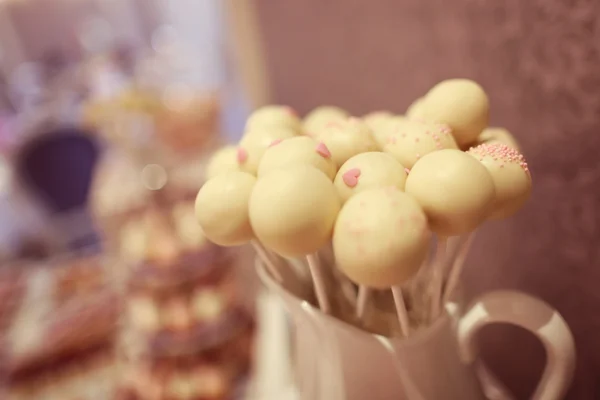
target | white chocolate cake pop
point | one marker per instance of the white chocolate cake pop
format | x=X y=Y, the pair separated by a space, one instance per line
x=254 y=144
x=415 y=110
x=293 y=210
x=369 y=171
x=498 y=135
x=274 y=116
x=316 y=120
x=377 y=122
x=223 y=160
x=461 y=104
x=347 y=138
x=454 y=189
x=409 y=140
x=381 y=237
x=222 y=208
x=510 y=174
x=297 y=151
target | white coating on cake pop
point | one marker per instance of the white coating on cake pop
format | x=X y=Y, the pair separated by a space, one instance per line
x=454 y=189
x=222 y=208
x=297 y=151
x=510 y=174
x=381 y=237
x=368 y=171
x=293 y=210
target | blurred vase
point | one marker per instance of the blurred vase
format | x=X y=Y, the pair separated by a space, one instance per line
x=335 y=360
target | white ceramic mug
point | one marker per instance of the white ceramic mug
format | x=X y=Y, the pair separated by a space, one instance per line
x=337 y=361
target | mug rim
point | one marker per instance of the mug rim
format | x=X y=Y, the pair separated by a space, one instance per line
x=416 y=338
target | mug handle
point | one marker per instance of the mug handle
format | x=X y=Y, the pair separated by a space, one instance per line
x=537 y=317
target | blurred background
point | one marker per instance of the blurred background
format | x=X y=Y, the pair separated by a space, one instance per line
x=109 y=108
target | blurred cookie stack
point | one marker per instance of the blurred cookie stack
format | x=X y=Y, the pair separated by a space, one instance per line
x=60 y=331
x=188 y=325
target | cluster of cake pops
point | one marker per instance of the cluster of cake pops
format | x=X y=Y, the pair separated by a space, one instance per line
x=379 y=190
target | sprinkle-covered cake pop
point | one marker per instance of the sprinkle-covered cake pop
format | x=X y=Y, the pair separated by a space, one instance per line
x=454 y=189
x=409 y=140
x=297 y=151
x=461 y=104
x=274 y=116
x=510 y=174
x=377 y=122
x=254 y=144
x=223 y=160
x=293 y=210
x=415 y=110
x=222 y=208
x=381 y=237
x=368 y=171
x=498 y=135
x=347 y=138
x=317 y=119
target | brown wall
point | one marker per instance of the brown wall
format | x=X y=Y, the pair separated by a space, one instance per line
x=540 y=62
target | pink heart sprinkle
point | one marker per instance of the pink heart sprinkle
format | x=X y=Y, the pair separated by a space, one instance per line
x=323 y=150
x=291 y=111
x=350 y=177
x=407 y=171
x=274 y=142
x=242 y=155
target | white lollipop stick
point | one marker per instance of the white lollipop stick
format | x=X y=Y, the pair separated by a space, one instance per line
x=265 y=257
x=401 y=310
x=364 y=294
x=319 y=282
x=437 y=278
x=457 y=266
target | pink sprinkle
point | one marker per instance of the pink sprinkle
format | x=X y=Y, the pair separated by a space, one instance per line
x=323 y=150
x=291 y=111
x=275 y=142
x=350 y=177
x=391 y=139
x=407 y=171
x=242 y=155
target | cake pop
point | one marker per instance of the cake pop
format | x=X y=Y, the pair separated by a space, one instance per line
x=317 y=119
x=274 y=116
x=381 y=239
x=347 y=138
x=223 y=160
x=377 y=122
x=292 y=212
x=222 y=208
x=415 y=110
x=367 y=171
x=457 y=195
x=512 y=183
x=222 y=211
x=254 y=144
x=498 y=135
x=409 y=140
x=461 y=104
x=510 y=174
x=296 y=151
x=455 y=190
